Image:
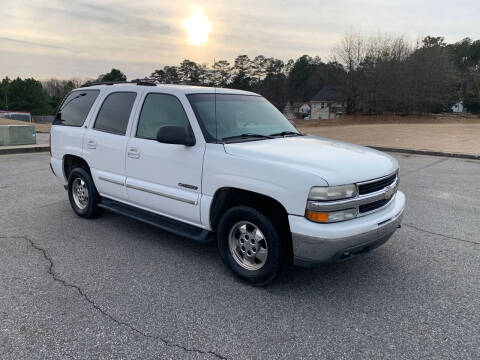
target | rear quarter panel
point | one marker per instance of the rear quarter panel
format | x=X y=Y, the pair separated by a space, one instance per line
x=68 y=140
x=65 y=140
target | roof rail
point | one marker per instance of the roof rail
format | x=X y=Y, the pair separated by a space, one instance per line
x=138 y=82
x=143 y=82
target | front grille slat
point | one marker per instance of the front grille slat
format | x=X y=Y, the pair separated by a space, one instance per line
x=372 y=206
x=376 y=185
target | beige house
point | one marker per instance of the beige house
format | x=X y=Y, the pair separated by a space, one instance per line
x=327 y=104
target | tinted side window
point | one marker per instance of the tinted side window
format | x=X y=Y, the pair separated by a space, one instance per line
x=159 y=110
x=76 y=107
x=115 y=112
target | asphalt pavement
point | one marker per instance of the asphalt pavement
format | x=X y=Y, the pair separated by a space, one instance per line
x=43 y=138
x=114 y=288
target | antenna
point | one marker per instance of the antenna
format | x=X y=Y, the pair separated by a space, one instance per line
x=215 y=97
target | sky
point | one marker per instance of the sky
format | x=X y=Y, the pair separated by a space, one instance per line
x=84 y=38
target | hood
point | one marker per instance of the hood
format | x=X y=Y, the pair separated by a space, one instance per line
x=336 y=162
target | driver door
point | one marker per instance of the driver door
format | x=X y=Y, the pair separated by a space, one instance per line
x=164 y=178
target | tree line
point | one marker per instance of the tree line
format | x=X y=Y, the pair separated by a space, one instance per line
x=43 y=97
x=384 y=74
x=372 y=75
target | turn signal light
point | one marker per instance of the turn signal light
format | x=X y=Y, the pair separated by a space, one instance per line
x=315 y=216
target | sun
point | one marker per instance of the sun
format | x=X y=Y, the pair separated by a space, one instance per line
x=198 y=27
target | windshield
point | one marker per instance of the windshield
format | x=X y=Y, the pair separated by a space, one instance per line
x=236 y=115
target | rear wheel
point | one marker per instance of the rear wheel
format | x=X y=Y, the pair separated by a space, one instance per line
x=250 y=245
x=82 y=194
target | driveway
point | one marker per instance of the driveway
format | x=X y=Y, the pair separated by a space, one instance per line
x=116 y=288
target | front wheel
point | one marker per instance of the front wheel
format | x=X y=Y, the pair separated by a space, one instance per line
x=82 y=194
x=250 y=245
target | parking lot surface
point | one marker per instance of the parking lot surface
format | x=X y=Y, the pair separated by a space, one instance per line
x=113 y=287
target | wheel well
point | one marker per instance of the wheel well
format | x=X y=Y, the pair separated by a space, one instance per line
x=71 y=161
x=227 y=198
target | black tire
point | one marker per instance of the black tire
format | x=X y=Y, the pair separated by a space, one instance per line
x=91 y=209
x=275 y=260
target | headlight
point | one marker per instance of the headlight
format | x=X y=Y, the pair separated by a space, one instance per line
x=326 y=193
x=331 y=216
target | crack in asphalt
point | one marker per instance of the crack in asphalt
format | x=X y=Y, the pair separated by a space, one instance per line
x=442 y=235
x=423 y=167
x=56 y=278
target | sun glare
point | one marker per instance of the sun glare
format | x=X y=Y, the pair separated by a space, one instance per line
x=198 y=27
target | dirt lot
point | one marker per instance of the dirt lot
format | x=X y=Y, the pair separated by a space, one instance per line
x=437 y=133
x=44 y=128
x=392 y=119
x=449 y=133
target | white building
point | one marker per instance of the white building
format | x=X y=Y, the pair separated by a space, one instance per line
x=301 y=108
x=288 y=111
x=458 y=107
x=296 y=111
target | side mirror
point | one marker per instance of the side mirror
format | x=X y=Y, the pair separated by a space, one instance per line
x=175 y=135
x=57 y=119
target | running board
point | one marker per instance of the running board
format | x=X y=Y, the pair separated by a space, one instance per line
x=174 y=226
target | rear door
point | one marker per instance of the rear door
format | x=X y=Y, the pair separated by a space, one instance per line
x=105 y=143
x=164 y=178
x=67 y=131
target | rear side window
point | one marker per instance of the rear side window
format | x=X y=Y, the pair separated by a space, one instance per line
x=160 y=110
x=75 y=108
x=115 y=112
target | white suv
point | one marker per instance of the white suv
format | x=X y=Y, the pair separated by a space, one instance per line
x=201 y=161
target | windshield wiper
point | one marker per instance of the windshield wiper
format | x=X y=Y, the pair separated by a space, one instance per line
x=247 y=136
x=285 y=133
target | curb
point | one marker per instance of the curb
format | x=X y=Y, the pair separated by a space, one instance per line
x=24 y=150
x=427 y=152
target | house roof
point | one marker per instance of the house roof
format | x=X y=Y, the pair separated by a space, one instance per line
x=328 y=93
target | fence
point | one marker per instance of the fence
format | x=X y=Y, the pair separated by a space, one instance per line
x=16 y=115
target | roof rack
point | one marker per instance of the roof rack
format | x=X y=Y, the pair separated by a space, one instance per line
x=138 y=82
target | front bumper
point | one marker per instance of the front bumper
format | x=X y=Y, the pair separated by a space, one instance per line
x=315 y=243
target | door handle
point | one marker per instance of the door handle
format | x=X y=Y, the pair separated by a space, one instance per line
x=133 y=153
x=91 y=144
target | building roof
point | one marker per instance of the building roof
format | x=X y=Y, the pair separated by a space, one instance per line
x=328 y=93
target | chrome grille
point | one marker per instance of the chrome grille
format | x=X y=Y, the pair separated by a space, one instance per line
x=375 y=185
x=372 y=206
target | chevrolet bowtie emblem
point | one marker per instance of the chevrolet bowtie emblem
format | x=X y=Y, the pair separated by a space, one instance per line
x=389 y=193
